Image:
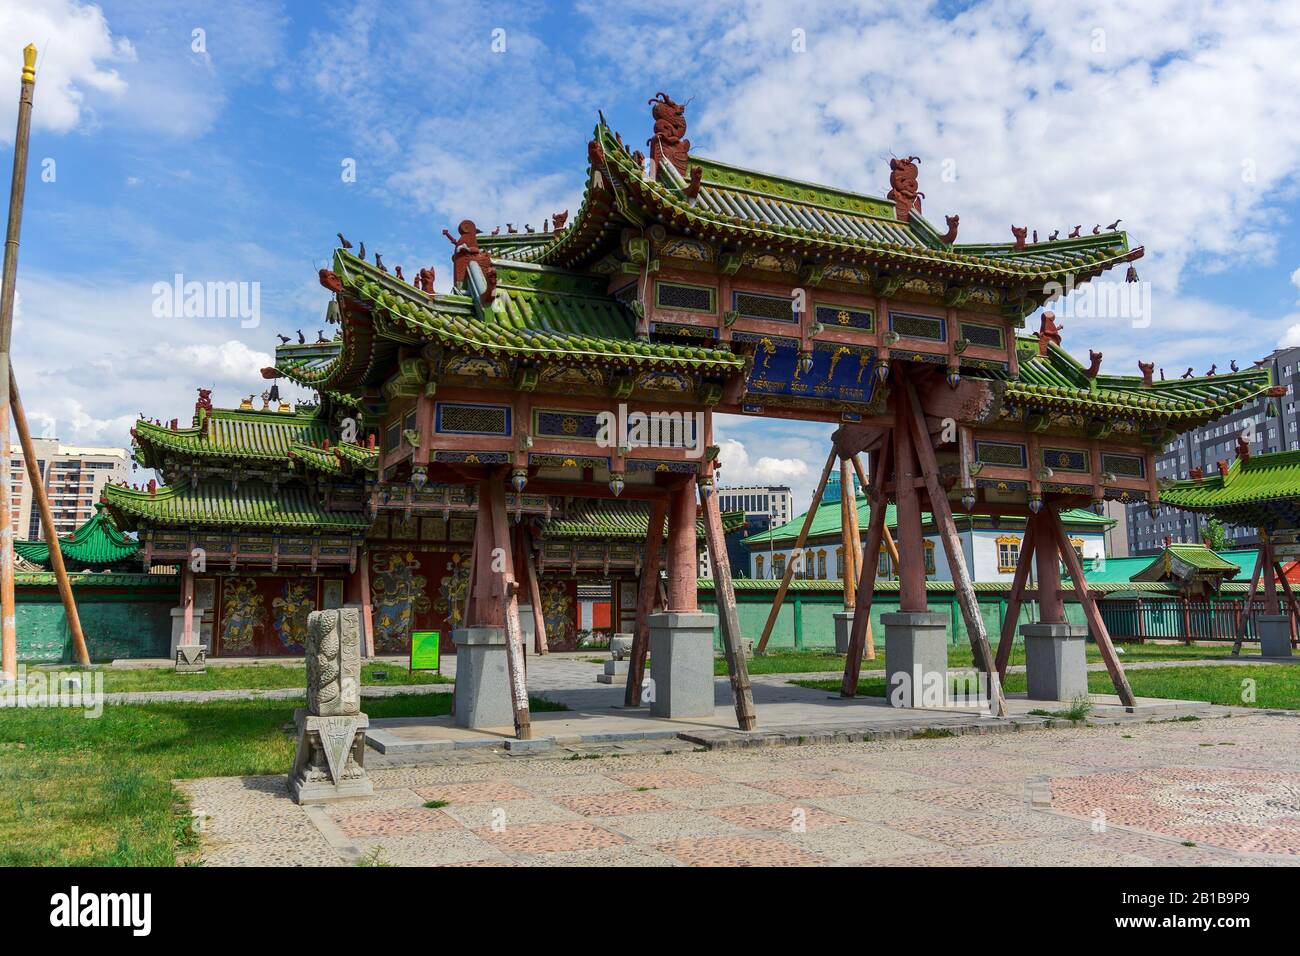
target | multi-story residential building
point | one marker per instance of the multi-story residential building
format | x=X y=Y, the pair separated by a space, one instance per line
x=73 y=476
x=1204 y=447
x=765 y=507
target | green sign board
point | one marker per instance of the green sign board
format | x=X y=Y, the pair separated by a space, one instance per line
x=424 y=651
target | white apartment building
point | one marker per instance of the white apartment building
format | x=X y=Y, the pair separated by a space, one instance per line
x=73 y=476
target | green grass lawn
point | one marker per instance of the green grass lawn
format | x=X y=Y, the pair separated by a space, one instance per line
x=247 y=677
x=77 y=791
x=1274 y=686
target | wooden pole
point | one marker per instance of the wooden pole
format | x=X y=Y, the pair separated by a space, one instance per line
x=890 y=547
x=505 y=589
x=1012 y=619
x=848 y=545
x=1244 y=618
x=742 y=693
x=683 y=570
x=1290 y=598
x=861 y=627
x=869 y=651
x=1052 y=525
x=8 y=279
x=535 y=596
x=798 y=545
x=645 y=601
x=941 y=511
x=52 y=536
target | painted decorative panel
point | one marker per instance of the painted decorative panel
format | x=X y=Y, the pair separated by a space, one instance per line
x=296 y=600
x=1065 y=459
x=457 y=419
x=986 y=336
x=1124 y=466
x=844 y=317
x=684 y=298
x=398 y=594
x=837 y=373
x=928 y=327
x=559 y=423
x=1004 y=454
x=755 y=305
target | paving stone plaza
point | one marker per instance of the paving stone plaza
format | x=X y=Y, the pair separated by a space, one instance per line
x=1218 y=788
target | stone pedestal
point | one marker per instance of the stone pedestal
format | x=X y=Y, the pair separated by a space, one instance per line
x=202 y=629
x=615 y=672
x=916 y=659
x=1056 y=665
x=843 y=627
x=527 y=626
x=191 y=659
x=330 y=762
x=1274 y=635
x=681 y=663
x=620 y=646
x=482 y=678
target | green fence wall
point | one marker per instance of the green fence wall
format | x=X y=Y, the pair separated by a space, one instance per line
x=122 y=615
x=806 y=618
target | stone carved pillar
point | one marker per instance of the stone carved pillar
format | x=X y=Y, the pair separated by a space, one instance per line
x=331 y=729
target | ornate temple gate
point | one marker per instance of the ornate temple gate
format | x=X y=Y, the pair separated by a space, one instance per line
x=685 y=287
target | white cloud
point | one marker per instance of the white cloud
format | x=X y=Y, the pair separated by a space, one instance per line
x=1295 y=278
x=79 y=61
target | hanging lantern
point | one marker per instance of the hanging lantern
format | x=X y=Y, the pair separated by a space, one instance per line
x=616 y=484
x=706 y=484
x=954 y=376
x=518 y=478
x=1131 y=275
x=1099 y=505
x=882 y=371
x=1035 y=503
x=419 y=477
x=805 y=362
x=968 y=500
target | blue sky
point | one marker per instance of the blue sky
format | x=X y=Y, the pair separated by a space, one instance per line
x=218 y=155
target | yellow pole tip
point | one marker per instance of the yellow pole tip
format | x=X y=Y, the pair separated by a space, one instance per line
x=29 y=62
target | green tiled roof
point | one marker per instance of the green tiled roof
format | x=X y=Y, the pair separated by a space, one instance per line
x=1262 y=491
x=609 y=521
x=96 y=544
x=827 y=522
x=1058 y=381
x=231 y=433
x=538 y=312
x=1118 y=570
x=335 y=460
x=1197 y=559
x=741 y=205
x=253 y=504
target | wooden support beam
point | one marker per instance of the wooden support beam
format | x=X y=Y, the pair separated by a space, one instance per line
x=37 y=483
x=860 y=628
x=848 y=545
x=646 y=593
x=683 y=567
x=1047 y=562
x=505 y=589
x=1052 y=524
x=1292 y=610
x=742 y=693
x=1244 y=619
x=1016 y=598
x=890 y=547
x=798 y=545
x=941 y=512
x=535 y=596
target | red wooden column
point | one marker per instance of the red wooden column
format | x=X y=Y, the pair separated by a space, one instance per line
x=911 y=569
x=683 y=573
x=1047 y=562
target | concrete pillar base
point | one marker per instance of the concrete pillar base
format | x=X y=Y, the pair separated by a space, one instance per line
x=1056 y=665
x=681 y=663
x=482 y=678
x=1274 y=635
x=843 y=626
x=916 y=659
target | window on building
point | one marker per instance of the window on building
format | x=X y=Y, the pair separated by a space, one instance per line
x=1008 y=554
x=778 y=565
x=758 y=566
x=839 y=562
x=930 y=568
x=821 y=565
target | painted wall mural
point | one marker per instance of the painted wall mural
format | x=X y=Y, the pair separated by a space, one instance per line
x=397 y=589
x=450 y=603
x=558 y=611
x=243 y=616
x=291 y=607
